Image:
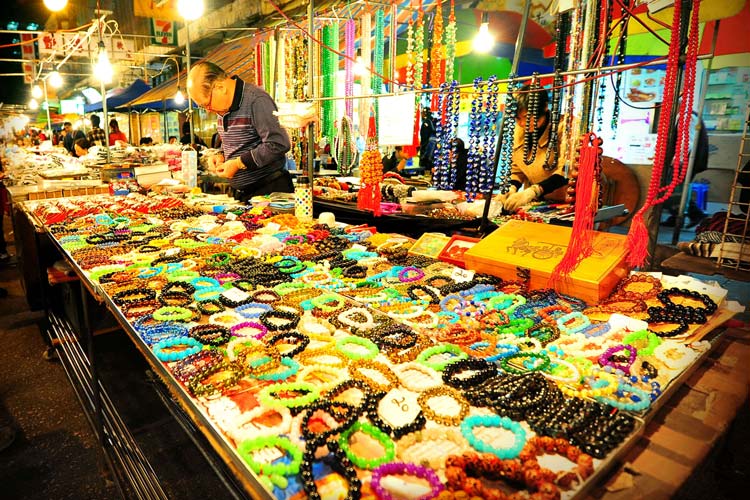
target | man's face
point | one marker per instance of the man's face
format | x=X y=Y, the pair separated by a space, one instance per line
x=535 y=124
x=215 y=99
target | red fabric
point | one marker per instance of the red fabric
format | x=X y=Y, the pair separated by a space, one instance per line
x=117 y=136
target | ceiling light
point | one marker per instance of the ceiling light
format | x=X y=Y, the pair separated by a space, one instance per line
x=36 y=92
x=179 y=98
x=190 y=9
x=55 y=5
x=483 y=41
x=55 y=80
x=103 y=69
x=33 y=104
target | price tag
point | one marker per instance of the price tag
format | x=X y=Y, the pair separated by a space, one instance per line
x=231 y=216
x=460 y=275
x=236 y=294
x=359 y=248
x=398 y=407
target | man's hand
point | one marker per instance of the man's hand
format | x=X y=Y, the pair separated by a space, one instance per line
x=517 y=200
x=503 y=198
x=229 y=168
x=214 y=161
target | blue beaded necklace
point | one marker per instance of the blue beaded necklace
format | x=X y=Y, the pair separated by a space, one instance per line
x=502 y=178
x=473 y=160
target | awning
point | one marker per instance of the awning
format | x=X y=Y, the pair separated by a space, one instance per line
x=117 y=97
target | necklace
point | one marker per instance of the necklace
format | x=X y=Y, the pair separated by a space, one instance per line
x=376 y=81
x=436 y=52
x=410 y=53
x=506 y=148
x=329 y=66
x=349 y=29
x=530 y=134
x=419 y=48
x=473 y=160
x=450 y=44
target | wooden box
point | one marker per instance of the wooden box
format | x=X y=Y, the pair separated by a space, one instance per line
x=518 y=246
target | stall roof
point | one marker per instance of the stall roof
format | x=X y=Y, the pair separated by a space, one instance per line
x=116 y=99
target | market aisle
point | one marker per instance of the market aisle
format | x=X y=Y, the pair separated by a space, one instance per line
x=54 y=454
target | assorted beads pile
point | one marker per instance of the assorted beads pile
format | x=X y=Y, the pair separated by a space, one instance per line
x=365 y=349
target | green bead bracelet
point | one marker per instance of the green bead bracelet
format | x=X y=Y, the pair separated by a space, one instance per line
x=268 y=395
x=653 y=341
x=370 y=346
x=248 y=448
x=455 y=354
x=389 y=449
x=506 y=366
x=172 y=313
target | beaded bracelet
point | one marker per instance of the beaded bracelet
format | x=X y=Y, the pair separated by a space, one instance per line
x=638 y=400
x=516 y=327
x=291 y=369
x=299 y=342
x=248 y=426
x=209 y=334
x=276 y=471
x=259 y=359
x=370 y=348
x=172 y=313
x=256 y=330
x=252 y=310
x=344 y=466
x=505 y=363
x=325 y=377
x=400 y=468
x=154 y=334
x=356 y=367
x=196 y=365
x=389 y=449
x=269 y=395
x=443 y=419
x=450 y=352
x=468 y=372
x=573 y=322
x=208 y=293
x=471 y=422
x=165 y=352
x=277 y=320
x=427 y=378
x=605 y=359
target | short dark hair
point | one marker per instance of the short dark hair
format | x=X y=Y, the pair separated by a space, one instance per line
x=113 y=124
x=82 y=143
x=523 y=100
x=172 y=137
x=185 y=128
x=146 y=141
x=67 y=124
x=211 y=72
x=95 y=120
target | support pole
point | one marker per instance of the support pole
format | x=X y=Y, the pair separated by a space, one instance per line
x=513 y=69
x=311 y=92
x=680 y=217
x=392 y=47
x=190 y=99
x=46 y=102
x=655 y=215
x=106 y=122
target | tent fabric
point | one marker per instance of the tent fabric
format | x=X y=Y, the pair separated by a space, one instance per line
x=118 y=97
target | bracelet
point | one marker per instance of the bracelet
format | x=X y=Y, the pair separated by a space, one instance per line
x=209 y=334
x=209 y=307
x=539 y=356
x=172 y=313
x=431 y=446
x=277 y=470
x=208 y=293
x=325 y=377
x=573 y=322
x=449 y=352
x=389 y=449
x=467 y=430
x=605 y=359
x=302 y=341
x=225 y=318
x=282 y=320
x=323 y=356
x=344 y=465
x=291 y=368
x=269 y=395
x=351 y=317
x=443 y=391
x=257 y=331
x=196 y=365
x=370 y=348
x=400 y=468
x=468 y=372
x=356 y=367
x=336 y=416
x=190 y=346
x=252 y=310
x=259 y=359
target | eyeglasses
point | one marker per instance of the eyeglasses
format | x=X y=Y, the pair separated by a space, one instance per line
x=210 y=99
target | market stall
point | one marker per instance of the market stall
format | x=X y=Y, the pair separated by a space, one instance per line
x=281 y=337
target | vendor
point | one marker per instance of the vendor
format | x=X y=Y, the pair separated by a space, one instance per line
x=81 y=147
x=537 y=179
x=396 y=162
x=461 y=162
x=253 y=142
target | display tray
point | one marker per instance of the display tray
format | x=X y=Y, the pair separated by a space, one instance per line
x=518 y=247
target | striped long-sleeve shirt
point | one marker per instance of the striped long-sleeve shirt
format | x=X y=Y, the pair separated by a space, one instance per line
x=250 y=131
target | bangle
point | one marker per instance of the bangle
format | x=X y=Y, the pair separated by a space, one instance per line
x=269 y=395
x=189 y=345
x=539 y=356
x=257 y=331
x=209 y=334
x=449 y=353
x=370 y=348
x=344 y=465
x=424 y=378
x=468 y=372
x=298 y=340
x=356 y=367
x=400 y=468
x=467 y=430
x=443 y=419
x=172 y=313
x=252 y=310
x=389 y=449
x=276 y=471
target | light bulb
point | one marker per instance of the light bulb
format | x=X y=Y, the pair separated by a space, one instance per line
x=179 y=99
x=33 y=104
x=55 y=5
x=55 y=80
x=359 y=67
x=190 y=9
x=36 y=92
x=483 y=41
x=103 y=69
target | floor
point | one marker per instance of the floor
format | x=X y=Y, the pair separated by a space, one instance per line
x=55 y=455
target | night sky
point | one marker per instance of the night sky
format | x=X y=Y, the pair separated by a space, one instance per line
x=12 y=88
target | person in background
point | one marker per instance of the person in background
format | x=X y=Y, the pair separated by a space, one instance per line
x=427 y=140
x=396 y=162
x=185 y=139
x=254 y=144
x=115 y=134
x=146 y=141
x=173 y=139
x=82 y=147
x=4 y=257
x=537 y=180
x=462 y=159
x=71 y=136
x=96 y=135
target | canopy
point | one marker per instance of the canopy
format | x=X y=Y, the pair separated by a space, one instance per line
x=118 y=97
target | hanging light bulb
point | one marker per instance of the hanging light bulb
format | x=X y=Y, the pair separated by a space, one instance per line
x=179 y=98
x=55 y=5
x=103 y=69
x=359 y=67
x=33 y=104
x=55 y=80
x=484 y=40
x=190 y=9
x=36 y=92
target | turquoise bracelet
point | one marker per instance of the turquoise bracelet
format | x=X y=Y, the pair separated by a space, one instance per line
x=191 y=345
x=467 y=430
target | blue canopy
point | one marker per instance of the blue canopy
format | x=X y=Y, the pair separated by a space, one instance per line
x=166 y=105
x=115 y=99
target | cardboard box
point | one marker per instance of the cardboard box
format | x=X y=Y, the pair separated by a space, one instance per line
x=148 y=175
x=518 y=247
x=454 y=251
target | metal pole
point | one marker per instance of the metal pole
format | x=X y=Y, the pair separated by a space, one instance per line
x=311 y=92
x=513 y=69
x=680 y=217
x=654 y=218
x=392 y=43
x=106 y=122
x=46 y=102
x=187 y=88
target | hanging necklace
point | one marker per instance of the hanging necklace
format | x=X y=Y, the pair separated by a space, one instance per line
x=473 y=159
x=349 y=28
x=454 y=102
x=436 y=53
x=376 y=81
x=441 y=148
x=450 y=44
x=553 y=146
x=410 y=54
x=419 y=48
x=345 y=148
x=502 y=179
x=622 y=47
x=491 y=115
x=329 y=66
x=530 y=133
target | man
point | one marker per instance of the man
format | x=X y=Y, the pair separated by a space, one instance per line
x=427 y=140
x=185 y=139
x=396 y=162
x=537 y=180
x=71 y=136
x=96 y=135
x=254 y=145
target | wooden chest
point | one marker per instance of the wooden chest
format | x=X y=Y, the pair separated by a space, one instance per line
x=520 y=246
